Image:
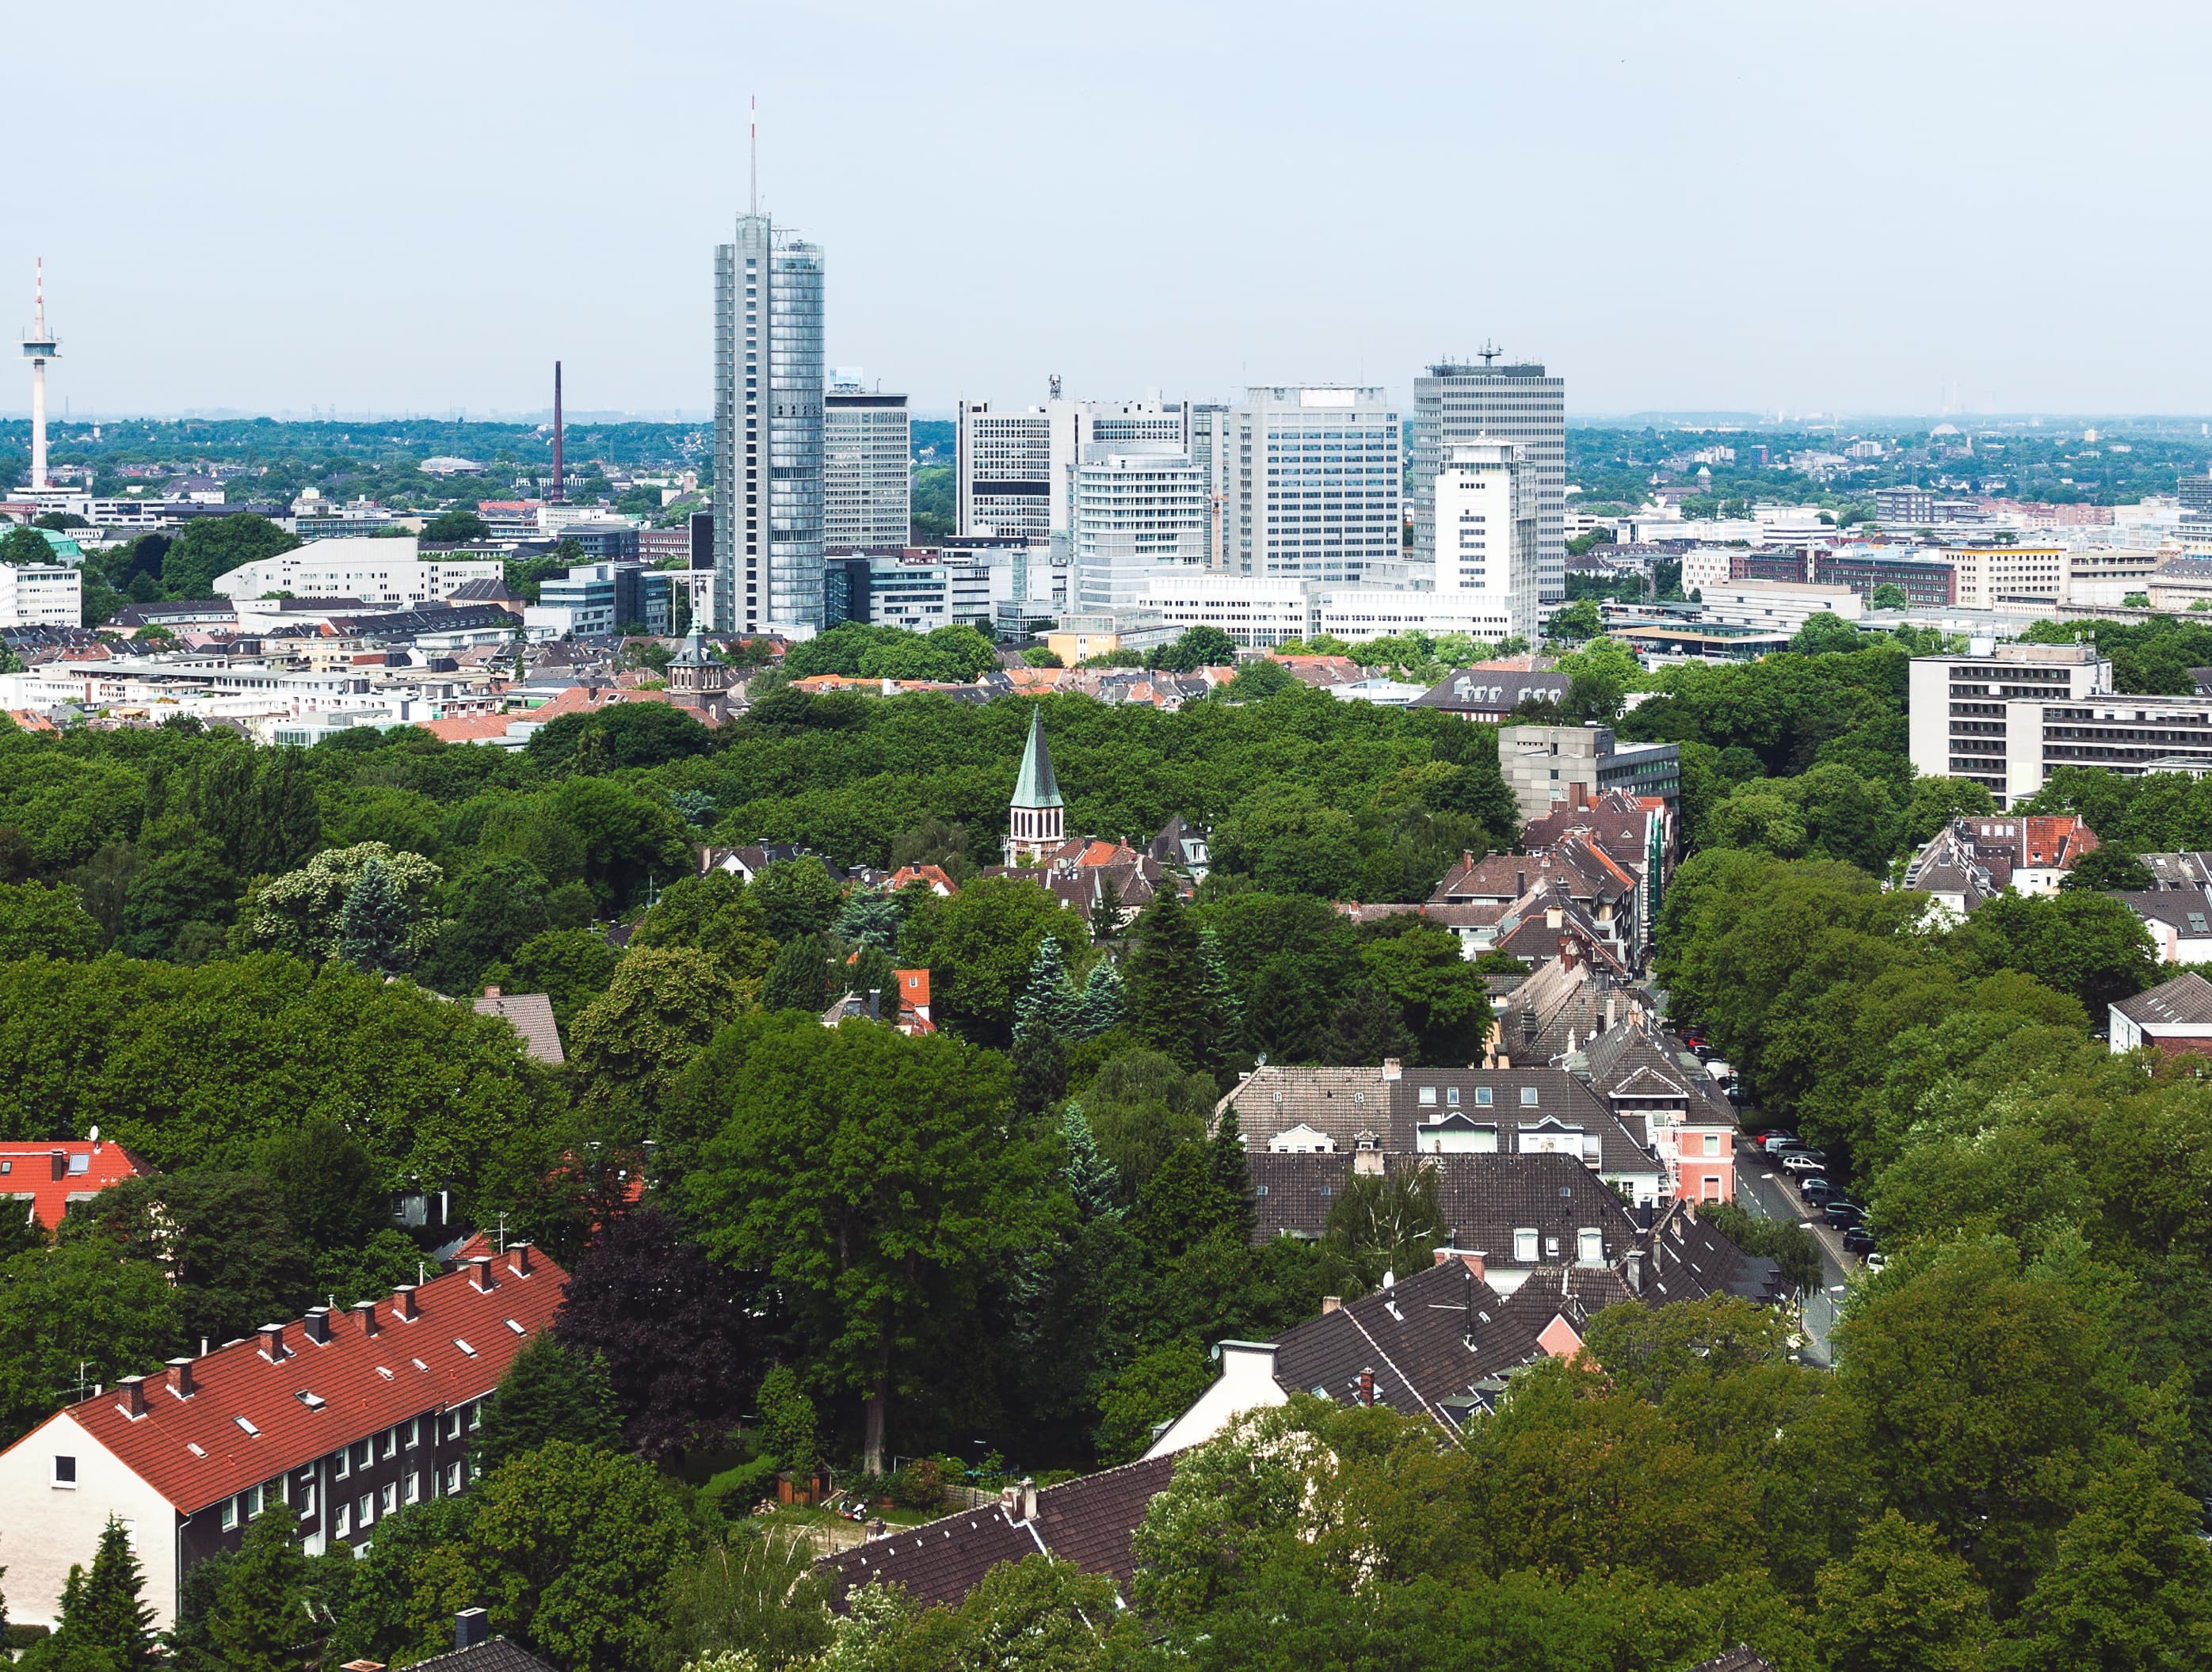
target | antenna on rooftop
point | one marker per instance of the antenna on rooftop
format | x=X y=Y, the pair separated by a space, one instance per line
x=753 y=144
x=1489 y=351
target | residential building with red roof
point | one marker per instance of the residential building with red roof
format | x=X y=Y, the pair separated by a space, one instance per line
x=48 y=1179
x=336 y=1419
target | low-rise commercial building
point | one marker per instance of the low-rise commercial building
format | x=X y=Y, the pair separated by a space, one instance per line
x=1777 y=606
x=390 y=574
x=1544 y=764
x=40 y=595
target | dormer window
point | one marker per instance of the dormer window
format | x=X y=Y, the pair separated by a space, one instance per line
x=1482 y=1097
x=1528 y=1097
x=1452 y=1097
x=1429 y=1096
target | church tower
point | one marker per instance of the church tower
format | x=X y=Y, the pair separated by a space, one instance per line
x=1036 y=828
x=698 y=681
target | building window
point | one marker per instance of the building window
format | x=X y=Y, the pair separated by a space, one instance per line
x=454 y=1478
x=389 y=1441
x=66 y=1472
x=387 y=1496
x=1527 y=1096
x=229 y=1513
x=413 y=1432
x=1452 y=1097
x=414 y=1487
x=1524 y=1247
x=1429 y=1094
x=341 y=1521
x=1589 y=1247
x=365 y=1510
x=253 y=1496
x=344 y=1466
x=1482 y=1097
x=1713 y=1143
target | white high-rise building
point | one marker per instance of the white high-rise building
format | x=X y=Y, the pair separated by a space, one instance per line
x=1458 y=403
x=41 y=594
x=1139 y=514
x=1212 y=448
x=767 y=431
x=1486 y=521
x=1016 y=474
x=1315 y=490
x=867 y=468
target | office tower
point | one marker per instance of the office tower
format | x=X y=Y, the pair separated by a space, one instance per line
x=1458 y=403
x=1487 y=523
x=1211 y=450
x=868 y=468
x=1017 y=468
x=1139 y=512
x=767 y=431
x=1317 y=493
x=39 y=348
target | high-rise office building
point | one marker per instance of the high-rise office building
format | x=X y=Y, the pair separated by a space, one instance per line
x=1487 y=534
x=1212 y=448
x=868 y=468
x=767 y=431
x=1458 y=403
x=1316 y=486
x=1139 y=514
x=1016 y=475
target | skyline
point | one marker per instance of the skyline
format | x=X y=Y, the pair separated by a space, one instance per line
x=1716 y=211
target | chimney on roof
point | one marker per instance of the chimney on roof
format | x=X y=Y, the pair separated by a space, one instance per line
x=1331 y=1303
x=366 y=1311
x=1367 y=1385
x=480 y=1277
x=471 y=1626
x=180 y=1377
x=491 y=992
x=402 y=1301
x=1029 y=1498
x=1520 y=884
x=1392 y=1068
x=517 y=1256
x=1632 y=1269
x=61 y=1163
x=318 y=1324
x=875 y=1003
x=133 y=1389
x=272 y=1342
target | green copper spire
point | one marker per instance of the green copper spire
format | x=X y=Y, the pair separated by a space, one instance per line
x=1036 y=786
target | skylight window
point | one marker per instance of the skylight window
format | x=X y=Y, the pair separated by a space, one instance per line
x=517 y=1327
x=464 y=1346
x=194 y=1448
x=384 y=1371
x=420 y=1365
x=313 y=1402
x=246 y=1423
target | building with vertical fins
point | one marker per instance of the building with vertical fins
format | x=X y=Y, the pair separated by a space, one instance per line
x=1036 y=824
x=767 y=431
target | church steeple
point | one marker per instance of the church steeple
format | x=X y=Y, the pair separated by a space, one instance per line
x=1036 y=820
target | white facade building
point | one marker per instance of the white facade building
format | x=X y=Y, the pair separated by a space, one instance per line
x=1016 y=472
x=389 y=573
x=1356 y=614
x=1139 y=509
x=867 y=470
x=1990 y=575
x=1777 y=606
x=1316 y=493
x=1486 y=535
x=1256 y=611
x=41 y=594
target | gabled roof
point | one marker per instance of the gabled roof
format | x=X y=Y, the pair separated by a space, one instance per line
x=196 y=1451
x=1341 y=1102
x=1492 y=690
x=1484 y=1197
x=1036 y=786
x=1738 y=1659
x=2184 y=911
x=27 y=1174
x=530 y=1014
x=2186 y=1001
x=496 y=1656
x=1690 y=1260
x=1087 y=1522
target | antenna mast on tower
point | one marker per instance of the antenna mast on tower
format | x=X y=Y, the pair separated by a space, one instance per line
x=39 y=348
x=753 y=148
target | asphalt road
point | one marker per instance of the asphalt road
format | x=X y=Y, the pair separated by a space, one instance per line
x=1766 y=1191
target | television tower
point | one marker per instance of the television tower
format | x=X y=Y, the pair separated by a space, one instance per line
x=39 y=348
x=559 y=491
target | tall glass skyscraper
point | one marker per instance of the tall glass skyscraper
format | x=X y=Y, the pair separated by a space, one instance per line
x=767 y=431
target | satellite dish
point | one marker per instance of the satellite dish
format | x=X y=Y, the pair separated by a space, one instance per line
x=95 y=1135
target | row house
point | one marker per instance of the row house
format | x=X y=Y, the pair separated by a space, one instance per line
x=334 y=1420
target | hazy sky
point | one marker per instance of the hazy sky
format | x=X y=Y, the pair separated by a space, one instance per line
x=413 y=207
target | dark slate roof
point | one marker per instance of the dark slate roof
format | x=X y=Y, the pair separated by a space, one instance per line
x=1431 y=1338
x=2186 y=1000
x=1690 y=1260
x=1484 y=1198
x=497 y=1655
x=1636 y=1060
x=1087 y=1521
x=1738 y=1659
x=1557 y=1095
x=1491 y=691
x=2173 y=906
x=2190 y=870
x=1340 y=1102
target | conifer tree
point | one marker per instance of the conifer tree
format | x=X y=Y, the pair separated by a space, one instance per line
x=260 y=1621
x=1169 y=1003
x=104 y=1628
x=372 y=924
x=1092 y=1180
x=1106 y=911
x=1047 y=1004
x=549 y=1392
x=1101 y=1009
x=1220 y=996
x=1230 y=1170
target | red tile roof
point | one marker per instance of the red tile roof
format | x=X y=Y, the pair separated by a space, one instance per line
x=361 y=1383
x=27 y=1173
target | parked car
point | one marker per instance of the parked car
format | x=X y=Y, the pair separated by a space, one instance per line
x=1817 y=1188
x=1876 y=1261
x=1778 y=1144
x=1858 y=1239
x=1843 y=1213
x=1799 y=1161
